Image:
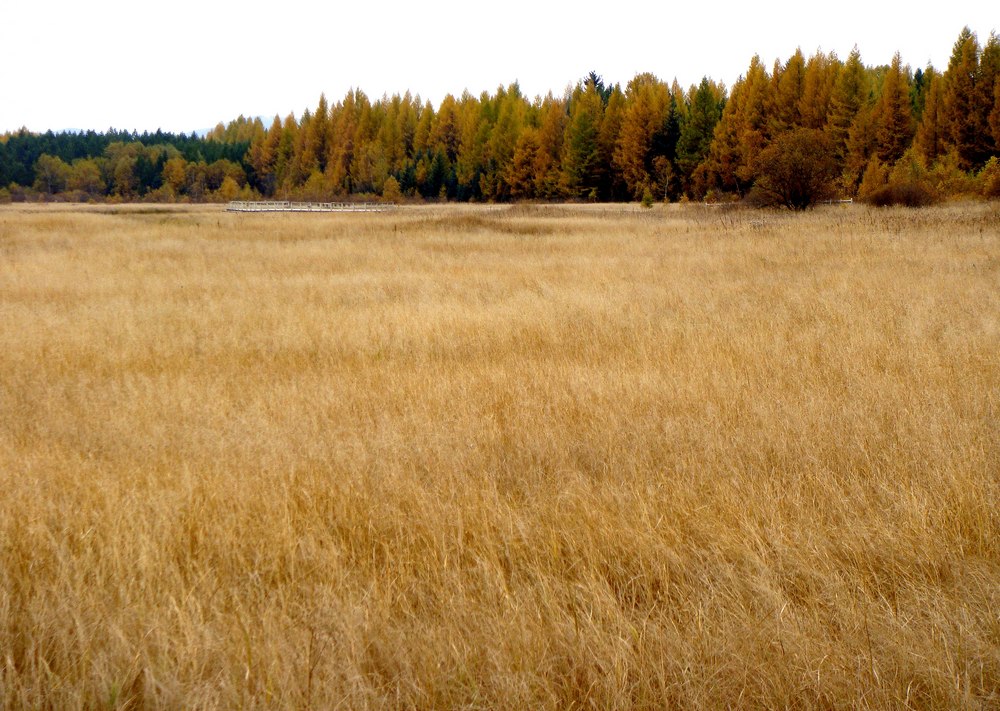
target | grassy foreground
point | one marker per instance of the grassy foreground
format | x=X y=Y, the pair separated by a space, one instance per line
x=542 y=458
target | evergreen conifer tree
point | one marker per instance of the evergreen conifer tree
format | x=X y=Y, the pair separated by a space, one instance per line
x=698 y=129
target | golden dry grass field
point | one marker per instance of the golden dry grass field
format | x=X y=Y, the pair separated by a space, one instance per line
x=500 y=458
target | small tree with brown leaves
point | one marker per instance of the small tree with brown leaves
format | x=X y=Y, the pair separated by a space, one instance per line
x=796 y=170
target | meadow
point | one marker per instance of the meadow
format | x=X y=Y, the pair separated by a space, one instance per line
x=515 y=457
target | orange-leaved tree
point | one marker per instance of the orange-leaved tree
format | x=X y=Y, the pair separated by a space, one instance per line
x=892 y=116
x=796 y=170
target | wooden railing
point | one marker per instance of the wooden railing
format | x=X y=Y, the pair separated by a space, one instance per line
x=287 y=206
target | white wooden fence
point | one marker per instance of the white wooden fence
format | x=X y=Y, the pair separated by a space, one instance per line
x=287 y=206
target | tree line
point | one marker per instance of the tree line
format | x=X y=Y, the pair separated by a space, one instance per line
x=118 y=164
x=804 y=129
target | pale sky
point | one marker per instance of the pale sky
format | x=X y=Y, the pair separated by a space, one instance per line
x=190 y=64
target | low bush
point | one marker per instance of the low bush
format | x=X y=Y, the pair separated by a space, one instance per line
x=989 y=178
x=909 y=194
x=795 y=171
x=907 y=184
x=948 y=178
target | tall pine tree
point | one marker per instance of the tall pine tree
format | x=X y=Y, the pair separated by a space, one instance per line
x=788 y=83
x=817 y=89
x=930 y=139
x=742 y=132
x=698 y=129
x=581 y=160
x=961 y=117
x=893 y=114
x=850 y=96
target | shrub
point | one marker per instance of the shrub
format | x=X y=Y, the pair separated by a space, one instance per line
x=391 y=191
x=908 y=183
x=874 y=179
x=904 y=194
x=229 y=190
x=19 y=193
x=315 y=189
x=715 y=197
x=647 y=198
x=989 y=178
x=165 y=193
x=950 y=180
x=795 y=171
x=73 y=196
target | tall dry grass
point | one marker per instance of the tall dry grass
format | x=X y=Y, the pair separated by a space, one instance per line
x=541 y=458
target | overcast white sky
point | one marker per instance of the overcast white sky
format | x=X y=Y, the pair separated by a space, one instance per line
x=189 y=64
